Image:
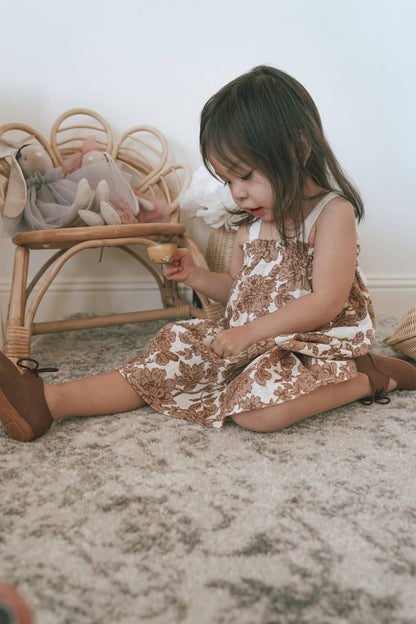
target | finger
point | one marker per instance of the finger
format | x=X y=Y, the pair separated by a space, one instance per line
x=169 y=270
x=217 y=349
x=180 y=253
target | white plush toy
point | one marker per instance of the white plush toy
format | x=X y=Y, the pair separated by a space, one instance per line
x=38 y=197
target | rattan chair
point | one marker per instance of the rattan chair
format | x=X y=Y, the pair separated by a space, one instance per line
x=143 y=152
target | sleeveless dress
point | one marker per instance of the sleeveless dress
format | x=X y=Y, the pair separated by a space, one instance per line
x=181 y=376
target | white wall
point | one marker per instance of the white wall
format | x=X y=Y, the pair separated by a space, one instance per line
x=136 y=61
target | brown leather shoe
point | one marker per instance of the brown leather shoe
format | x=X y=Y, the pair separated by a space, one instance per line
x=23 y=410
x=379 y=369
x=13 y=607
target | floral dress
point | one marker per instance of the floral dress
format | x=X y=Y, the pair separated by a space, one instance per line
x=181 y=376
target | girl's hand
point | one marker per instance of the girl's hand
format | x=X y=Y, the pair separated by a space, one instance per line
x=182 y=268
x=229 y=342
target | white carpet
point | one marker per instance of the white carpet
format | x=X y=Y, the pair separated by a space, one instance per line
x=141 y=518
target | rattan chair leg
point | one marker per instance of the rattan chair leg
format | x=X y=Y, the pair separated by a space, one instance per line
x=17 y=337
x=17 y=342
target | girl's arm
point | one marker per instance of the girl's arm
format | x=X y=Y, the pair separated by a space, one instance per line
x=214 y=285
x=335 y=252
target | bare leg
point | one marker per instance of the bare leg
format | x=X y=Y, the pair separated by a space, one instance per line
x=329 y=397
x=109 y=393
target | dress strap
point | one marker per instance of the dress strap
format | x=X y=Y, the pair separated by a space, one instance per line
x=312 y=216
x=254 y=231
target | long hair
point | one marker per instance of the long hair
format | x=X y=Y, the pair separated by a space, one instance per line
x=267 y=120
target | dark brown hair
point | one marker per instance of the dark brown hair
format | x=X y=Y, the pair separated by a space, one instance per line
x=267 y=120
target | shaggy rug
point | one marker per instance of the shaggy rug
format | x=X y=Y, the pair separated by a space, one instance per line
x=141 y=518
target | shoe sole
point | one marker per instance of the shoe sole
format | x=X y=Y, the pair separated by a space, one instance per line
x=15 y=425
x=389 y=367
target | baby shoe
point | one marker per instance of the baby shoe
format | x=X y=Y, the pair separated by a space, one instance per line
x=379 y=369
x=23 y=409
x=13 y=607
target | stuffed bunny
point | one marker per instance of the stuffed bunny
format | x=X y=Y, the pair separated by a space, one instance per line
x=118 y=202
x=38 y=196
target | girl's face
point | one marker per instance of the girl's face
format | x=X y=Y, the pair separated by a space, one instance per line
x=250 y=189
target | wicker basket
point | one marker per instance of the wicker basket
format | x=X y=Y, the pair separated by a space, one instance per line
x=220 y=249
x=404 y=338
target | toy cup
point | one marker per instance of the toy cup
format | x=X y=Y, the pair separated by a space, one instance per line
x=162 y=253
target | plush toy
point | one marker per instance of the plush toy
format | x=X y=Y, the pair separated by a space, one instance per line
x=39 y=196
x=116 y=202
x=120 y=203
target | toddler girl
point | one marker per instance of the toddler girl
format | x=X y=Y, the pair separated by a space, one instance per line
x=298 y=323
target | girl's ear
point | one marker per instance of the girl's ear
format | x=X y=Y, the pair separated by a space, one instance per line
x=307 y=149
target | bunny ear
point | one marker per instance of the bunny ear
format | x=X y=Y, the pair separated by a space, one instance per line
x=16 y=191
x=15 y=135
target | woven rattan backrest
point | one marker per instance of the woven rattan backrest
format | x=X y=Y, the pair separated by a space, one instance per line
x=73 y=127
x=143 y=150
x=17 y=134
x=169 y=185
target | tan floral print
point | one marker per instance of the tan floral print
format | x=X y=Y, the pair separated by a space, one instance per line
x=182 y=377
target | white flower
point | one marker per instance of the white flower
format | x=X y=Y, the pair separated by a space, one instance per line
x=212 y=198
